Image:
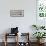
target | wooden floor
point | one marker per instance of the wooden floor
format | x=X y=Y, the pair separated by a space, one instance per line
x=13 y=44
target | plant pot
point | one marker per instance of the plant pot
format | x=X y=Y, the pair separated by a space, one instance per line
x=40 y=41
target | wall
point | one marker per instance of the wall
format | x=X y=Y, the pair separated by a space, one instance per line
x=24 y=23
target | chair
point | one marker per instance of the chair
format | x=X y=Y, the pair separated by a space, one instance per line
x=14 y=32
x=25 y=36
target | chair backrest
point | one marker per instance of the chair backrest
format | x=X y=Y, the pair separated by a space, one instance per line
x=14 y=30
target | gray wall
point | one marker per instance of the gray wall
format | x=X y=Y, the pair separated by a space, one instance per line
x=24 y=23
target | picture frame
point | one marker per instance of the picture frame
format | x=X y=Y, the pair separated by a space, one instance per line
x=41 y=12
x=41 y=8
x=17 y=13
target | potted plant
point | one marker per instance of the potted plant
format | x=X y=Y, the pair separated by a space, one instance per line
x=42 y=27
x=39 y=35
x=38 y=27
x=35 y=27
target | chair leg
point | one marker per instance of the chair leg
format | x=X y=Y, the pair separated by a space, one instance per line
x=5 y=40
x=5 y=43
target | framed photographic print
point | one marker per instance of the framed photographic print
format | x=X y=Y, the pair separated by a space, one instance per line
x=41 y=12
x=41 y=8
x=17 y=13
